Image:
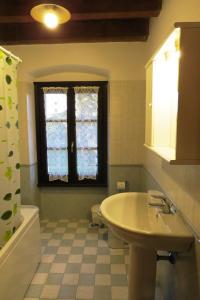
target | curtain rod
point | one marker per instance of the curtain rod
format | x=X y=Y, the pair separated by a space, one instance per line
x=10 y=54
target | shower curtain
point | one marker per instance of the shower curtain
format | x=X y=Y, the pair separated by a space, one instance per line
x=9 y=156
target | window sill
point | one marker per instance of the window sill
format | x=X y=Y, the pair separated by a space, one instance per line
x=70 y=185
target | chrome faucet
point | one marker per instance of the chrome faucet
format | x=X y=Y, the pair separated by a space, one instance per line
x=166 y=207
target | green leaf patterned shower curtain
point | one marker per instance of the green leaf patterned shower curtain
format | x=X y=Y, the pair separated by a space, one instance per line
x=9 y=156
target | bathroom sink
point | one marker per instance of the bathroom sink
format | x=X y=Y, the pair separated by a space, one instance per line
x=147 y=230
x=131 y=218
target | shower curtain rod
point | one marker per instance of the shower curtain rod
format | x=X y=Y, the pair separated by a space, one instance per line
x=10 y=54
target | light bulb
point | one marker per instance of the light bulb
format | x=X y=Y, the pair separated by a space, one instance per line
x=51 y=20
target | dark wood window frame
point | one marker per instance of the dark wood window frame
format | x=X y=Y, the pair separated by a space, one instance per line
x=43 y=178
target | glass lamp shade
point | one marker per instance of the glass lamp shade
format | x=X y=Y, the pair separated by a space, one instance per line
x=50 y=14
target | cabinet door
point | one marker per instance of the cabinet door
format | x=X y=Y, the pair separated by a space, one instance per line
x=148 y=131
x=188 y=126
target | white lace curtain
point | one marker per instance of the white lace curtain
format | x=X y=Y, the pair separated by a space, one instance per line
x=86 y=103
x=55 y=90
x=86 y=90
x=55 y=99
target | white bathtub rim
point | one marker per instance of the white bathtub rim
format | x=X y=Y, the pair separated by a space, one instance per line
x=28 y=214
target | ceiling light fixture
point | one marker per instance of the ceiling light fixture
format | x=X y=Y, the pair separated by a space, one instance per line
x=50 y=14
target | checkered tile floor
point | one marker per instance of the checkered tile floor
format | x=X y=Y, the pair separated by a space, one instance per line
x=77 y=264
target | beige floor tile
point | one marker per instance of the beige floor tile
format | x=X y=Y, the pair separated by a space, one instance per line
x=78 y=243
x=119 y=292
x=51 y=225
x=48 y=258
x=54 y=242
x=50 y=291
x=58 y=268
x=102 y=279
x=70 y=279
x=68 y=236
x=64 y=250
x=59 y=230
x=84 y=292
x=102 y=243
x=75 y=258
x=103 y=259
x=90 y=250
x=46 y=236
x=118 y=269
x=88 y=268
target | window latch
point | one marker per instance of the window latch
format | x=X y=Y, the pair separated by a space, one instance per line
x=72 y=147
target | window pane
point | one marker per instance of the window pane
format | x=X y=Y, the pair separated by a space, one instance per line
x=56 y=133
x=86 y=106
x=86 y=134
x=87 y=163
x=55 y=106
x=57 y=162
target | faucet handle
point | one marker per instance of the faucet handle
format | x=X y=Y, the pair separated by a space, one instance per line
x=152 y=201
x=158 y=199
x=156 y=194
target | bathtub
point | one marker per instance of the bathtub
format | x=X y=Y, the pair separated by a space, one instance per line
x=19 y=258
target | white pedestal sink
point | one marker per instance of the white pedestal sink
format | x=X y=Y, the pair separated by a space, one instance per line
x=146 y=230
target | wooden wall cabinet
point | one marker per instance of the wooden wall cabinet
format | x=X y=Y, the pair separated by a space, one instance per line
x=173 y=97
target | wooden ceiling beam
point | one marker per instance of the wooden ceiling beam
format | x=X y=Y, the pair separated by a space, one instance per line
x=75 y=31
x=86 y=16
x=139 y=7
x=92 y=21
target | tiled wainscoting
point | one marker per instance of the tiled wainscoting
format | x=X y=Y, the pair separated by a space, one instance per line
x=61 y=203
x=78 y=264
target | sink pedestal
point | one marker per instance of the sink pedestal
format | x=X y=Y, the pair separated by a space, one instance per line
x=142 y=274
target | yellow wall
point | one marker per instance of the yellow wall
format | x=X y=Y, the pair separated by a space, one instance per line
x=172 y=11
x=118 y=61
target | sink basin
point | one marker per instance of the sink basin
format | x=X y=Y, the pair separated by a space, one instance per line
x=130 y=217
x=147 y=230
